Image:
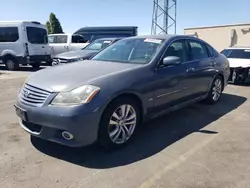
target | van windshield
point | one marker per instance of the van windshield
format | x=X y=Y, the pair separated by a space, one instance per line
x=37 y=35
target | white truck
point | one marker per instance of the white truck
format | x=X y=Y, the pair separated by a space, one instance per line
x=60 y=43
x=23 y=42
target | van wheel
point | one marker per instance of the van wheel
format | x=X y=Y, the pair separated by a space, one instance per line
x=11 y=63
x=36 y=65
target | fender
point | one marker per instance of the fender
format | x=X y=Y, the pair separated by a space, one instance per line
x=8 y=52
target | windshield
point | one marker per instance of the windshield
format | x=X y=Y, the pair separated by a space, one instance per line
x=237 y=53
x=135 y=50
x=98 y=45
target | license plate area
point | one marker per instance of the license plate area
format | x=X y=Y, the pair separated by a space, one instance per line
x=21 y=113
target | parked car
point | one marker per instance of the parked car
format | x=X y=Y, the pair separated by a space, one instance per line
x=239 y=60
x=85 y=53
x=23 y=42
x=60 y=43
x=105 y=99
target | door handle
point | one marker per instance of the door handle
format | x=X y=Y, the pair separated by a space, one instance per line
x=190 y=70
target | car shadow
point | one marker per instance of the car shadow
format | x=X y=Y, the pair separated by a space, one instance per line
x=153 y=137
x=21 y=69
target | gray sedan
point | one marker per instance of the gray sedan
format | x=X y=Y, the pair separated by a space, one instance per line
x=126 y=84
x=85 y=53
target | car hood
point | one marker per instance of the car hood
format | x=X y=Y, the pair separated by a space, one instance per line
x=76 y=54
x=70 y=76
x=236 y=62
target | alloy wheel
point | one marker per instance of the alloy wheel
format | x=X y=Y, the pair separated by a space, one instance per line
x=217 y=89
x=122 y=124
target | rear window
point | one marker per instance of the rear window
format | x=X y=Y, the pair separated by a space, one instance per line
x=58 y=39
x=9 y=34
x=37 y=35
x=237 y=53
x=78 y=39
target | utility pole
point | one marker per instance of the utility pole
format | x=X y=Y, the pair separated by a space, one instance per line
x=164 y=17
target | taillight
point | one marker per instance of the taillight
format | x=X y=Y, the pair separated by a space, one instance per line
x=26 y=49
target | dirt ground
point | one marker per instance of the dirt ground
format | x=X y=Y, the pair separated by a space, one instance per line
x=197 y=147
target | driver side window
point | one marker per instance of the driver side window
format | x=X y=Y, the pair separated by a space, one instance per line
x=178 y=49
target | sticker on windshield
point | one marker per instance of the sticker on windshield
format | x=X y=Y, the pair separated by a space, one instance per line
x=157 y=41
x=107 y=41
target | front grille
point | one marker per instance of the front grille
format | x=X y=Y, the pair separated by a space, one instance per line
x=58 y=61
x=33 y=96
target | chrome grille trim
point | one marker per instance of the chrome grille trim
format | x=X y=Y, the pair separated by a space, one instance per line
x=33 y=96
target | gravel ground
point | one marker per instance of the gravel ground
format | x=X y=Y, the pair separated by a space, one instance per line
x=199 y=146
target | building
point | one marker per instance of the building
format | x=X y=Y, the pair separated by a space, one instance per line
x=223 y=36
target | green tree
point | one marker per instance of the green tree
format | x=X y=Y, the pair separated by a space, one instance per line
x=48 y=27
x=53 y=25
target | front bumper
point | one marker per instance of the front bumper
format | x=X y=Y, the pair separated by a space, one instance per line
x=48 y=122
x=240 y=74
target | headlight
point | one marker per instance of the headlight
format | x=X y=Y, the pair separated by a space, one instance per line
x=83 y=94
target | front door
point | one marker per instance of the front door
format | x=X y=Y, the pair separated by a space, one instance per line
x=172 y=82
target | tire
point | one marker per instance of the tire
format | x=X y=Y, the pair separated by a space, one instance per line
x=111 y=129
x=215 y=90
x=36 y=65
x=11 y=63
x=49 y=63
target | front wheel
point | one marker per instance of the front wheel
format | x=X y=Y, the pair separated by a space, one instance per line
x=215 y=91
x=118 y=123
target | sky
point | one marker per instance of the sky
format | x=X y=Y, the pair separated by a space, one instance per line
x=74 y=14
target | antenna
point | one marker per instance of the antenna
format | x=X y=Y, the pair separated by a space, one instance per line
x=164 y=17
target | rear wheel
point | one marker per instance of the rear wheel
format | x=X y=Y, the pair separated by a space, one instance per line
x=118 y=123
x=215 y=91
x=11 y=63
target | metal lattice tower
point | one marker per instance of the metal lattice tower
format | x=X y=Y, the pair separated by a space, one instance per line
x=164 y=17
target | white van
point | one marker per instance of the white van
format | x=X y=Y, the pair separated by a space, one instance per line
x=23 y=42
x=60 y=43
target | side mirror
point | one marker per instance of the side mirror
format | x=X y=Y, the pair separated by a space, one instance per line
x=171 y=60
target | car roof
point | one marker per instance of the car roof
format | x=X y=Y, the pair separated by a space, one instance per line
x=166 y=36
x=111 y=38
x=238 y=48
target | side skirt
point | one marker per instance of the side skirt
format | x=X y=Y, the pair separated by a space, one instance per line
x=179 y=106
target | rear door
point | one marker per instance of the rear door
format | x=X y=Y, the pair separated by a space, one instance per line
x=37 y=39
x=201 y=67
x=58 y=44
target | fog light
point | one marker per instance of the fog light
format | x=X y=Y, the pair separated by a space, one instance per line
x=67 y=136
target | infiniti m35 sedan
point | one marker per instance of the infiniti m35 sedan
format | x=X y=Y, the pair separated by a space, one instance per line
x=105 y=99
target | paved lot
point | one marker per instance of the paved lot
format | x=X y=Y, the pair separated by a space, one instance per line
x=199 y=146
